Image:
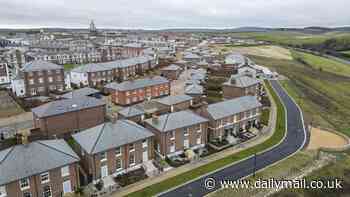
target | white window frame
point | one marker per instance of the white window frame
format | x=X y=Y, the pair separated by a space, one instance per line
x=172 y=147
x=50 y=191
x=104 y=158
x=65 y=171
x=30 y=194
x=145 y=143
x=199 y=140
x=121 y=164
x=133 y=147
x=134 y=158
x=3 y=192
x=173 y=135
x=120 y=152
x=45 y=174
x=186 y=143
x=186 y=132
x=27 y=185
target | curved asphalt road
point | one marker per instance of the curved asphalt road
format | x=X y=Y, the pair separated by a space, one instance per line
x=293 y=141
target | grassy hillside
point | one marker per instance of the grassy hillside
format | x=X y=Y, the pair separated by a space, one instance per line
x=294 y=38
x=322 y=63
x=324 y=94
x=338 y=170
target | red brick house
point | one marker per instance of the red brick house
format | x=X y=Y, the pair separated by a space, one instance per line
x=61 y=118
x=39 y=169
x=241 y=85
x=229 y=118
x=114 y=148
x=131 y=92
x=177 y=132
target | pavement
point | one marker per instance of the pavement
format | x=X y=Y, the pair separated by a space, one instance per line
x=294 y=140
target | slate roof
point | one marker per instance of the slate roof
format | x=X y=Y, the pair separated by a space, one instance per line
x=176 y=120
x=230 y=107
x=172 y=100
x=105 y=66
x=80 y=92
x=235 y=58
x=22 y=161
x=241 y=81
x=66 y=105
x=172 y=67
x=111 y=135
x=191 y=56
x=194 y=89
x=131 y=111
x=136 y=84
x=40 y=65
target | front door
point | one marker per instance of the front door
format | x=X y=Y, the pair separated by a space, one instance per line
x=145 y=155
x=67 y=187
x=104 y=171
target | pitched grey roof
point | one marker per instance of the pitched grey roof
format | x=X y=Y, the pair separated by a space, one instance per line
x=194 y=89
x=235 y=58
x=111 y=135
x=80 y=92
x=230 y=107
x=131 y=111
x=22 y=161
x=176 y=120
x=136 y=84
x=40 y=65
x=67 y=105
x=241 y=81
x=172 y=100
x=105 y=66
x=172 y=67
x=191 y=56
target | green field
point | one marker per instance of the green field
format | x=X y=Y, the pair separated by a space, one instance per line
x=292 y=165
x=197 y=172
x=346 y=52
x=292 y=37
x=324 y=94
x=339 y=169
x=323 y=63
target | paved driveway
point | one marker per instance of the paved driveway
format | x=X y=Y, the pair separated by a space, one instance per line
x=294 y=140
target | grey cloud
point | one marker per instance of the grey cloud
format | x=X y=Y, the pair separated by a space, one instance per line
x=173 y=13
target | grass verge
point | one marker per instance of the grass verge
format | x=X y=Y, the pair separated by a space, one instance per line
x=289 y=167
x=323 y=95
x=278 y=135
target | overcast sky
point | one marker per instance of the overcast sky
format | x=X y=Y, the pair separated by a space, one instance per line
x=155 y=14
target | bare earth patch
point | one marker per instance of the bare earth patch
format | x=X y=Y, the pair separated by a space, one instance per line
x=321 y=138
x=265 y=51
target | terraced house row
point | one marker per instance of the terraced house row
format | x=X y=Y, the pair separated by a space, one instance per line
x=120 y=70
x=39 y=78
x=100 y=148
